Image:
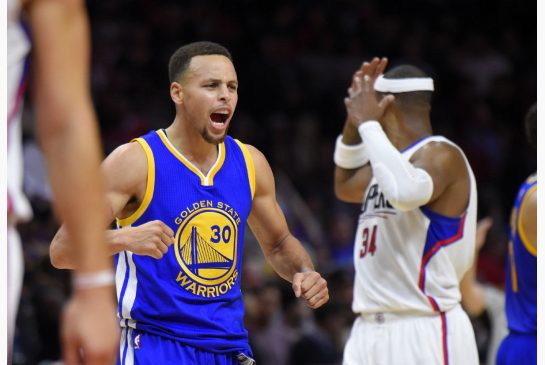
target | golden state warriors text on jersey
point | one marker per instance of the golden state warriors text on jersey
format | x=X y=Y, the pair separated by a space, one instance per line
x=192 y=294
x=206 y=246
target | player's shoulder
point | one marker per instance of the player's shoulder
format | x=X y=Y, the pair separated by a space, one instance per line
x=442 y=150
x=128 y=152
x=257 y=156
x=127 y=161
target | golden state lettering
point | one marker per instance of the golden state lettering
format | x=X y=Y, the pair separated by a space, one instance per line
x=203 y=290
x=206 y=248
x=207 y=204
x=187 y=211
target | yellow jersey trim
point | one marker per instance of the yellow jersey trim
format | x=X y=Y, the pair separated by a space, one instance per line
x=514 y=280
x=249 y=165
x=207 y=180
x=150 y=186
x=523 y=237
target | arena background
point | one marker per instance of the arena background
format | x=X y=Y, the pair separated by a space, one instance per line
x=294 y=62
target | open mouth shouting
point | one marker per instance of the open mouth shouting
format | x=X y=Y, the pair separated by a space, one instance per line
x=219 y=119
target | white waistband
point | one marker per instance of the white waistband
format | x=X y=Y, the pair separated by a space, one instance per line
x=388 y=317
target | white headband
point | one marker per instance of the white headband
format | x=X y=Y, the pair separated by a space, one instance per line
x=385 y=85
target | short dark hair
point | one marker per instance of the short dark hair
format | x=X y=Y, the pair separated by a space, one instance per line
x=179 y=61
x=410 y=99
x=530 y=124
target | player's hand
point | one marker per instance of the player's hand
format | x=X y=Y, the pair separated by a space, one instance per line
x=362 y=104
x=151 y=239
x=483 y=226
x=89 y=328
x=311 y=287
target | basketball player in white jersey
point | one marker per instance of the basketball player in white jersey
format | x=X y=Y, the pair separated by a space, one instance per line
x=68 y=134
x=416 y=232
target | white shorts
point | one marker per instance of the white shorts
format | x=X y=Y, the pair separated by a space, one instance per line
x=394 y=339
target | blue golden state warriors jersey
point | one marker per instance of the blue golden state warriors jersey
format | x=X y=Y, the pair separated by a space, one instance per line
x=521 y=274
x=192 y=294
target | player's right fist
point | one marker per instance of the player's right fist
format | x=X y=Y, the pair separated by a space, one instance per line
x=150 y=239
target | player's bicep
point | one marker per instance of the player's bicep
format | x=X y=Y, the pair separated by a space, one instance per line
x=443 y=163
x=124 y=171
x=266 y=219
x=350 y=185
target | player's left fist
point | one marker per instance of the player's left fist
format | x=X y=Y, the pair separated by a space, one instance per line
x=310 y=286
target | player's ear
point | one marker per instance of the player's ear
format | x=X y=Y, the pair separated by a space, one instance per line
x=176 y=93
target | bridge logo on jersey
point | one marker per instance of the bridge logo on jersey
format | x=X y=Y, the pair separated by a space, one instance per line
x=376 y=204
x=206 y=250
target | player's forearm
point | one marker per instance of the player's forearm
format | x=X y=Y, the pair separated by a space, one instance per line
x=352 y=169
x=351 y=135
x=473 y=299
x=67 y=125
x=289 y=257
x=63 y=253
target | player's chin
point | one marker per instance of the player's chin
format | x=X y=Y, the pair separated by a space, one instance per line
x=214 y=138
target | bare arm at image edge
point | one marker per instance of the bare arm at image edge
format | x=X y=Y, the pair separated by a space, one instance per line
x=68 y=134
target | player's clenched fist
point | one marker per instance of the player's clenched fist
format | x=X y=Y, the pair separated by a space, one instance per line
x=311 y=287
x=150 y=239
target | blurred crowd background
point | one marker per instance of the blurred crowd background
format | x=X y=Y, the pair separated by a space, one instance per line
x=294 y=61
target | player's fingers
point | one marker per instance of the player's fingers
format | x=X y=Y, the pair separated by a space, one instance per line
x=373 y=66
x=386 y=100
x=358 y=86
x=318 y=300
x=358 y=73
x=155 y=253
x=381 y=66
x=296 y=284
x=366 y=83
x=313 y=285
x=167 y=239
x=483 y=226
x=167 y=229
x=163 y=247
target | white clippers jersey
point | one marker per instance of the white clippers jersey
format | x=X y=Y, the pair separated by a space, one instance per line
x=18 y=47
x=412 y=261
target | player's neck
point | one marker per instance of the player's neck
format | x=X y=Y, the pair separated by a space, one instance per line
x=403 y=131
x=201 y=153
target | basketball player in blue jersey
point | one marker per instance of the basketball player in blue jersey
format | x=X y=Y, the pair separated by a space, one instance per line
x=416 y=232
x=520 y=346
x=182 y=196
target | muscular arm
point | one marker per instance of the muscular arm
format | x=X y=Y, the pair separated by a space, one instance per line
x=285 y=253
x=68 y=133
x=473 y=298
x=448 y=170
x=125 y=172
x=67 y=124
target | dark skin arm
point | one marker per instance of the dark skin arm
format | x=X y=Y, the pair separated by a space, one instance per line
x=350 y=184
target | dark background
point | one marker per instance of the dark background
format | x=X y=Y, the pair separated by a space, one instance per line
x=294 y=62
